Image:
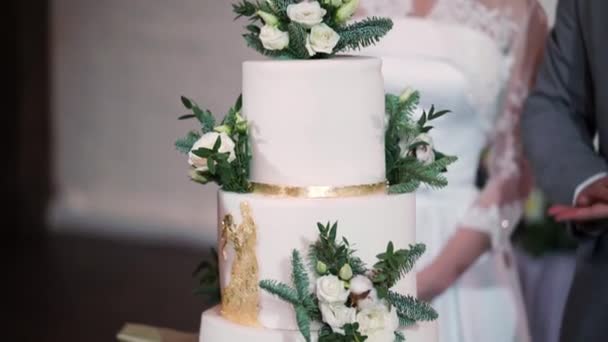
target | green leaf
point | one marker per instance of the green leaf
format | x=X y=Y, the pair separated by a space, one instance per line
x=439 y=114
x=280 y=290
x=203 y=152
x=253 y=29
x=217 y=144
x=186 y=117
x=426 y=129
x=422 y=120
x=239 y=103
x=187 y=103
x=212 y=166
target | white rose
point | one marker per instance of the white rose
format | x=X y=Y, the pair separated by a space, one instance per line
x=273 y=39
x=306 y=13
x=425 y=153
x=378 y=323
x=207 y=141
x=330 y=289
x=322 y=38
x=337 y=315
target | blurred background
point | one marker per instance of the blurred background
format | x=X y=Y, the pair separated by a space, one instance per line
x=104 y=226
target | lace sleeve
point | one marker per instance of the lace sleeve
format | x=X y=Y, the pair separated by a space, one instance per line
x=499 y=206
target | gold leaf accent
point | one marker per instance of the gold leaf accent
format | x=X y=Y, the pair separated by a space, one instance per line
x=240 y=298
x=320 y=191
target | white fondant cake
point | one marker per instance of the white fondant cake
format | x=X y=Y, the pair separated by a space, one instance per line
x=313 y=123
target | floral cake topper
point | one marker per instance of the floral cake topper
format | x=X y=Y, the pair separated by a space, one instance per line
x=293 y=29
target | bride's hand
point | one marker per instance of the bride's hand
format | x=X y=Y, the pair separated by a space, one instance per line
x=430 y=284
x=461 y=251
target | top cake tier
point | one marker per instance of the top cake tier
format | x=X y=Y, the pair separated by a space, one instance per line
x=315 y=123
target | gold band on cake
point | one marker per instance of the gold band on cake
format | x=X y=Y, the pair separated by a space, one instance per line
x=320 y=191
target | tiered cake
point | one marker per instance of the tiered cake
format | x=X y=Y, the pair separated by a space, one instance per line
x=317 y=169
x=317 y=133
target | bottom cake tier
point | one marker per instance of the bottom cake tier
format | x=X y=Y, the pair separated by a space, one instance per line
x=214 y=328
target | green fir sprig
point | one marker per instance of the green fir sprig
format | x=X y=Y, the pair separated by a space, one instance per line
x=405 y=173
x=362 y=34
x=411 y=310
x=300 y=297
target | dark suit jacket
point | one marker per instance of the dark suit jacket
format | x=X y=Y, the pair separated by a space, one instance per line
x=566 y=110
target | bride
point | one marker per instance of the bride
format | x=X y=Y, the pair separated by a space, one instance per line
x=478 y=59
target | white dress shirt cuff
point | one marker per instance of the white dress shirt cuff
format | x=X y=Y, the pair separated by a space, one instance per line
x=585 y=184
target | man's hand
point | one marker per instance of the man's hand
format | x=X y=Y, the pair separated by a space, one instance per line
x=596 y=192
x=591 y=204
x=563 y=213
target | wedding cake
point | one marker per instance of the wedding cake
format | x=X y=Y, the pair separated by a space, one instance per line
x=317 y=167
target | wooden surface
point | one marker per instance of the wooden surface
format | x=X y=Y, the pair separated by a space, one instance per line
x=69 y=288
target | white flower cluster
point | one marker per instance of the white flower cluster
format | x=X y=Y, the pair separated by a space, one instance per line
x=376 y=320
x=321 y=38
x=208 y=140
x=425 y=153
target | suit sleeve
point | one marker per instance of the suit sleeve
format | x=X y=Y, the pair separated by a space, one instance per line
x=558 y=124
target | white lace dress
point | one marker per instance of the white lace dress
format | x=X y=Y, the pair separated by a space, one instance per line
x=476 y=59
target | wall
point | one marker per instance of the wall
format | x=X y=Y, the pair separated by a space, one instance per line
x=118 y=70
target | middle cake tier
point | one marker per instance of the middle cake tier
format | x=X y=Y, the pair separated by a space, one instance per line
x=284 y=224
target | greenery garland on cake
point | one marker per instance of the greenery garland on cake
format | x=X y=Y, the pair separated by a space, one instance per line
x=355 y=303
x=294 y=29
x=411 y=158
x=218 y=153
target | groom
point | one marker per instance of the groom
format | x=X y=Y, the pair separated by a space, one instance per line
x=566 y=111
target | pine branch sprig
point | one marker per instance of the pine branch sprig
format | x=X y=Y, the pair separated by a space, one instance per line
x=184 y=145
x=244 y=8
x=399 y=336
x=362 y=34
x=281 y=290
x=411 y=308
x=303 y=320
x=404 y=188
x=299 y=276
x=297 y=41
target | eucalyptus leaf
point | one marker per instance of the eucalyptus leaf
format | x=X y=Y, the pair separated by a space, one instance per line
x=186 y=102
